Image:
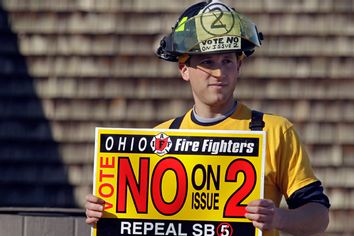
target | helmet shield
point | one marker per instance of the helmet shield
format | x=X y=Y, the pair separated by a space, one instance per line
x=214 y=31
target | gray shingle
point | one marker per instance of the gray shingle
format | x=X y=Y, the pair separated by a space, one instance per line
x=74 y=65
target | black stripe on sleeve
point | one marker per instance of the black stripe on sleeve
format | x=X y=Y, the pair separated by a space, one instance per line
x=310 y=193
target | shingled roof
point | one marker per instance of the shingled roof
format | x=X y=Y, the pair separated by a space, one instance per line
x=69 y=66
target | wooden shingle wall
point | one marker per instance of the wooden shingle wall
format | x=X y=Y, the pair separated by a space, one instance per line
x=43 y=222
x=67 y=66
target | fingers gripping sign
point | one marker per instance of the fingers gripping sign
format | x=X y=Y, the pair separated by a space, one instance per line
x=94 y=207
x=262 y=213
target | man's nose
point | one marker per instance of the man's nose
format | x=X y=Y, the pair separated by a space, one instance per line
x=216 y=73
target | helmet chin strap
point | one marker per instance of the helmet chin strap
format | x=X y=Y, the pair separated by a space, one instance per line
x=213 y=72
x=183 y=58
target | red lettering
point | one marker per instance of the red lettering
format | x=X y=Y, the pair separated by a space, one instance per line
x=101 y=176
x=181 y=191
x=138 y=190
x=234 y=206
x=106 y=190
x=107 y=205
x=104 y=162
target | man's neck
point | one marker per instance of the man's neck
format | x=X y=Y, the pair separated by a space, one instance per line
x=215 y=117
x=211 y=112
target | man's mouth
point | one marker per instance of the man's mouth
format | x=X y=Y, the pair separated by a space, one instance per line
x=217 y=85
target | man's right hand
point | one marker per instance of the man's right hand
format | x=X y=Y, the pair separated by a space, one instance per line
x=94 y=209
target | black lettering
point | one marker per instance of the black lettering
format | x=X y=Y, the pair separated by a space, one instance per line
x=214 y=177
x=195 y=185
x=196 y=200
x=202 y=200
x=205 y=201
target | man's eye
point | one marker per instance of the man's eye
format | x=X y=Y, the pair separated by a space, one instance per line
x=206 y=62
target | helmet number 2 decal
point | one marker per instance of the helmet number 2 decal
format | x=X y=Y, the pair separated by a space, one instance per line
x=217 y=19
x=218 y=13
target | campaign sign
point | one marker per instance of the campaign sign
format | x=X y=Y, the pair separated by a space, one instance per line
x=177 y=182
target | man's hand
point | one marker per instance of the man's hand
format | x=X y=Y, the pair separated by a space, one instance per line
x=262 y=214
x=94 y=208
x=311 y=218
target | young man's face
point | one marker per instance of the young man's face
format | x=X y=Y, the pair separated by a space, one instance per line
x=212 y=77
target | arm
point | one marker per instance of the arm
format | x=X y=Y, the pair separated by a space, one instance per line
x=308 y=205
x=94 y=208
x=308 y=219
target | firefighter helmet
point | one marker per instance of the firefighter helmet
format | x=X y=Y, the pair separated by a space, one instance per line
x=210 y=27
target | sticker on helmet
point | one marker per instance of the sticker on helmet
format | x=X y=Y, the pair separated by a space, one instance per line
x=217 y=29
x=220 y=44
x=216 y=19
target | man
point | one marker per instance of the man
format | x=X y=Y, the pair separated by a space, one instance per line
x=209 y=42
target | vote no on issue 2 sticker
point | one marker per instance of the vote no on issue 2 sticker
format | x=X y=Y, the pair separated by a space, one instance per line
x=177 y=182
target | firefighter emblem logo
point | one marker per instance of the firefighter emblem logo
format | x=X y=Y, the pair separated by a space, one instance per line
x=161 y=144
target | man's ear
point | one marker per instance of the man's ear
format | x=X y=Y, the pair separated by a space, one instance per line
x=184 y=71
x=239 y=63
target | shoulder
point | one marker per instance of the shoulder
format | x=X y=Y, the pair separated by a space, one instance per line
x=164 y=125
x=272 y=121
x=277 y=122
x=175 y=122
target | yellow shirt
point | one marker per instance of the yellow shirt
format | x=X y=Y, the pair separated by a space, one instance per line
x=287 y=166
